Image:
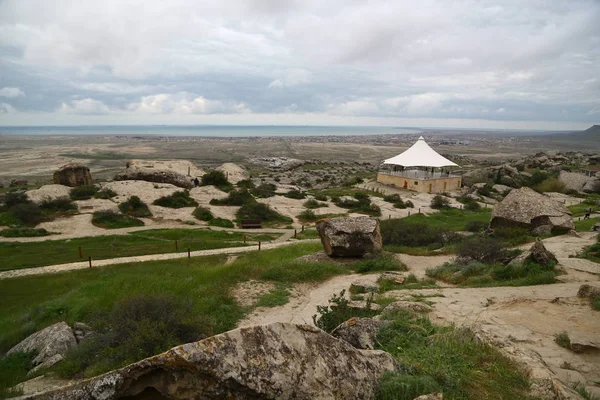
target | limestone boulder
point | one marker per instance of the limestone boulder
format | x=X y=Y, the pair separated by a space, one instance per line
x=528 y=209
x=540 y=255
x=73 y=174
x=173 y=172
x=51 y=344
x=360 y=332
x=276 y=361
x=575 y=180
x=402 y=305
x=350 y=237
x=589 y=291
x=504 y=174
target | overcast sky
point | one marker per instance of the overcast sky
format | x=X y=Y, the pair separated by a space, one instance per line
x=434 y=63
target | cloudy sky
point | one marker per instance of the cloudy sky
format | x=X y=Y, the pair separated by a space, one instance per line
x=435 y=63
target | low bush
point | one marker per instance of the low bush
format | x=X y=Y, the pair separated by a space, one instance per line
x=484 y=191
x=137 y=327
x=313 y=203
x=392 y=198
x=512 y=236
x=203 y=214
x=28 y=213
x=113 y=220
x=83 y=192
x=262 y=212
x=550 y=185
x=476 y=226
x=215 y=178
x=307 y=215
x=58 y=206
x=176 y=200
x=235 y=198
x=351 y=181
x=15 y=198
x=482 y=249
x=295 y=194
x=13 y=370
x=400 y=232
x=23 y=232
x=105 y=193
x=264 y=190
x=563 y=340
x=135 y=207
x=330 y=316
x=439 y=202
x=321 y=197
x=246 y=184
x=383 y=262
x=221 y=222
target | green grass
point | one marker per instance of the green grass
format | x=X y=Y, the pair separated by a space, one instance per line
x=113 y=220
x=563 y=340
x=452 y=218
x=35 y=254
x=9 y=219
x=276 y=297
x=176 y=200
x=449 y=358
x=24 y=232
x=307 y=234
x=13 y=370
x=411 y=282
x=31 y=303
x=592 y=252
x=585 y=225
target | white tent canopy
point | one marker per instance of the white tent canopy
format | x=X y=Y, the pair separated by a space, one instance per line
x=420 y=155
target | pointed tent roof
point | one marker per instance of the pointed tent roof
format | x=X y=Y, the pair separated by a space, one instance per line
x=420 y=155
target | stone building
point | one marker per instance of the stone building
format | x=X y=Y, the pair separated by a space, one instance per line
x=421 y=169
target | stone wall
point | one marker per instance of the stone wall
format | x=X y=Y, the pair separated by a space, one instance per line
x=437 y=185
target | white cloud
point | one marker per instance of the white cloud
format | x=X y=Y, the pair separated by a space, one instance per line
x=292 y=77
x=85 y=106
x=6 y=108
x=11 y=92
x=183 y=103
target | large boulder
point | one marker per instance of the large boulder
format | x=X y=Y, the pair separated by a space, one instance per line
x=504 y=174
x=177 y=172
x=538 y=254
x=277 y=361
x=575 y=180
x=73 y=174
x=360 y=332
x=50 y=344
x=531 y=210
x=350 y=236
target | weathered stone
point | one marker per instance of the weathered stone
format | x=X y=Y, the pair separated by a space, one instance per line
x=589 y=291
x=596 y=227
x=363 y=305
x=431 y=396
x=277 y=361
x=73 y=174
x=573 y=233
x=17 y=182
x=350 y=237
x=542 y=230
x=528 y=209
x=278 y=163
x=505 y=174
x=393 y=276
x=360 y=332
x=173 y=172
x=575 y=180
x=363 y=285
x=502 y=188
x=412 y=306
x=82 y=331
x=540 y=255
x=54 y=340
x=581 y=345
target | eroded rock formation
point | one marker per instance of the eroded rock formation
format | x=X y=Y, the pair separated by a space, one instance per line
x=350 y=237
x=277 y=361
x=73 y=174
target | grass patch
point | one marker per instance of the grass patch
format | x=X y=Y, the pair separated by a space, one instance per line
x=203 y=214
x=585 y=225
x=105 y=193
x=24 y=232
x=447 y=359
x=276 y=297
x=221 y=222
x=176 y=200
x=17 y=255
x=13 y=370
x=592 y=252
x=113 y=220
x=83 y=192
x=202 y=283
x=383 y=262
x=263 y=213
x=135 y=207
x=235 y=198
x=307 y=234
x=563 y=340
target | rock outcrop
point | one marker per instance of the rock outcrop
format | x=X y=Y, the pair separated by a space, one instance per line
x=234 y=172
x=503 y=174
x=360 y=332
x=73 y=174
x=540 y=255
x=51 y=344
x=402 y=305
x=48 y=192
x=576 y=181
x=277 y=361
x=350 y=237
x=528 y=209
x=278 y=163
x=173 y=172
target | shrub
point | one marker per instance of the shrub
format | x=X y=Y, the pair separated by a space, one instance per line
x=203 y=214
x=221 y=222
x=83 y=192
x=320 y=197
x=563 y=340
x=476 y=226
x=246 y=184
x=351 y=181
x=105 y=193
x=58 y=205
x=482 y=249
x=400 y=232
x=27 y=213
x=15 y=198
x=112 y=220
x=550 y=185
x=235 y=198
x=13 y=370
x=383 y=262
x=484 y=191
x=472 y=205
x=261 y=212
x=439 y=201
x=216 y=178
x=176 y=200
x=23 y=232
x=135 y=207
x=338 y=311
x=295 y=194
x=308 y=215
x=393 y=198
x=264 y=190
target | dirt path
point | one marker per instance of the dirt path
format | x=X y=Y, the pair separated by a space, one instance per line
x=51 y=269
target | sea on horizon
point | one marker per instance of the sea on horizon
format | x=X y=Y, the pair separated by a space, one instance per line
x=206 y=130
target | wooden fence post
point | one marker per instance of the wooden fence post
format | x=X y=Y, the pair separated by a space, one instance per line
x=245 y=239
x=295 y=233
x=80 y=252
x=189 y=255
x=90 y=261
x=302 y=228
x=259 y=245
x=176 y=245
